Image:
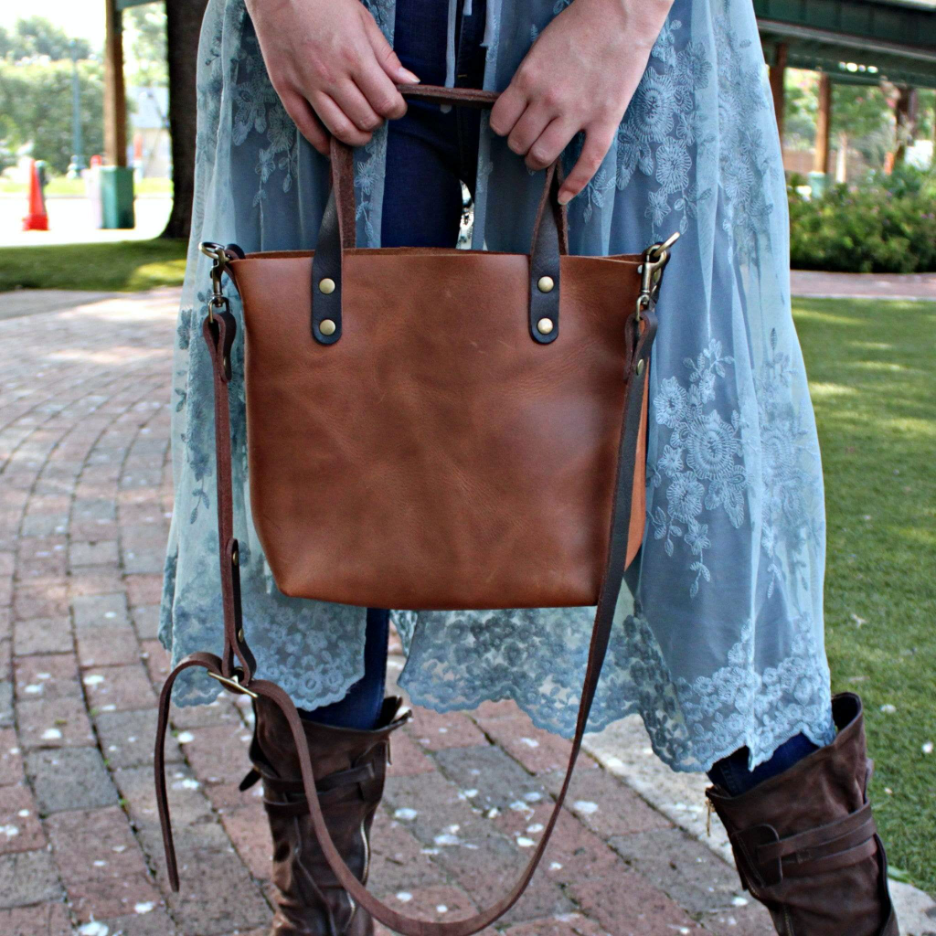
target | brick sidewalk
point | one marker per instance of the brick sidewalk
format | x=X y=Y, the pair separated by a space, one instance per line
x=85 y=500
x=815 y=283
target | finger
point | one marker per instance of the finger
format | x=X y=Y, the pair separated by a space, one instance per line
x=528 y=129
x=347 y=95
x=552 y=141
x=507 y=110
x=306 y=122
x=380 y=91
x=337 y=121
x=598 y=141
x=386 y=57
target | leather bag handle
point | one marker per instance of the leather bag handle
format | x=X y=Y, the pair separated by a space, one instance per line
x=338 y=233
x=218 y=332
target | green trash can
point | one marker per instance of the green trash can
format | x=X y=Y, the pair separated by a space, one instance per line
x=117 y=197
x=818 y=182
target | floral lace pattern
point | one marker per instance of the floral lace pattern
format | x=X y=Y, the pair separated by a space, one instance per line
x=661 y=126
x=701 y=461
x=718 y=643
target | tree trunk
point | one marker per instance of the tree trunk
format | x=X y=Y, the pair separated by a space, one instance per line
x=183 y=24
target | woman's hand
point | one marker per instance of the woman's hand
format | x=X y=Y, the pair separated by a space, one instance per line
x=580 y=74
x=330 y=64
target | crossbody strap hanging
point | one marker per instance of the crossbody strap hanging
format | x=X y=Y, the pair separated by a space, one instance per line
x=218 y=331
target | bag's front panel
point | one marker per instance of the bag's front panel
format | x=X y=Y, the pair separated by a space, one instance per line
x=436 y=456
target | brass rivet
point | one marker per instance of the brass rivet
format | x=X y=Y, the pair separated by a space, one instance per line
x=545 y=284
x=224 y=363
x=234 y=557
x=640 y=367
x=327 y=327
x=327 y=286
x=544 y=326
x=240 y=635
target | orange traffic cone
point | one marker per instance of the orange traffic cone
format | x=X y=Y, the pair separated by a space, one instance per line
x=38 y=217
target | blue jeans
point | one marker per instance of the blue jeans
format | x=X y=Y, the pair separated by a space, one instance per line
x=732 y=773
x=429 y=154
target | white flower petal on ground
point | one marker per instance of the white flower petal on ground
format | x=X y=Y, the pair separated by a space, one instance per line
x=93 y=929
x=585 y=807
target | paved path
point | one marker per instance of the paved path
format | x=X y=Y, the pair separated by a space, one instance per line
x=85 y=499
x=71 y=221
x=812 y=283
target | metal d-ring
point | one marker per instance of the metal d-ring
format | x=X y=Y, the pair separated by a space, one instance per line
x=233 y=684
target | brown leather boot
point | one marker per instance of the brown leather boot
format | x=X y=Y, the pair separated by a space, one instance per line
x=350 y=768
x=805 y=841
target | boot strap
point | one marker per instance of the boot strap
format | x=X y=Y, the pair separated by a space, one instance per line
x=333 y=783
x=839 y=844
x=337 y=787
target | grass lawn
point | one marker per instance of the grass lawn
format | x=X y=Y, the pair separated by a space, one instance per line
x=120 y=266
x=872 y=369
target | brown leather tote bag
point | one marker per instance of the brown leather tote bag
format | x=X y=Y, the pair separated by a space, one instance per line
x=432 y=429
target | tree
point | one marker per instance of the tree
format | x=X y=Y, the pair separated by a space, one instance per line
x=36 y=110
x=861 y=115
x=145 y=28
x=36 y=37
x=183 y=25
x=802 y=106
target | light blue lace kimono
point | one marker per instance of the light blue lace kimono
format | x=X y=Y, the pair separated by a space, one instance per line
x=721 y=645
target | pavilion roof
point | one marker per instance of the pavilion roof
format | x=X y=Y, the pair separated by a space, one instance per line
x=854 y=40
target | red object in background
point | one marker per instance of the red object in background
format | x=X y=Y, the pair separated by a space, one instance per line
x=38 y=217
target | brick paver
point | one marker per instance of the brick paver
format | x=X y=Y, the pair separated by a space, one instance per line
x=85 y=499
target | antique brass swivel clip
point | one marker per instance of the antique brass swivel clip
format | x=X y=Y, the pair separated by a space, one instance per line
x=219 y=256
x=655 y=259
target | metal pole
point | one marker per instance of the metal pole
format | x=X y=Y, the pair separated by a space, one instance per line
x=77 y=160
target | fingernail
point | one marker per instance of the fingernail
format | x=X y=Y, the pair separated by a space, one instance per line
x=564 y=198
x=408 y=76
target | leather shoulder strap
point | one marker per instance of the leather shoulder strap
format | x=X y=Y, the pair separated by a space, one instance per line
x=642 y=334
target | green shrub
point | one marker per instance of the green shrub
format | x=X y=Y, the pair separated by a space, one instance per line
x=884 y=224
